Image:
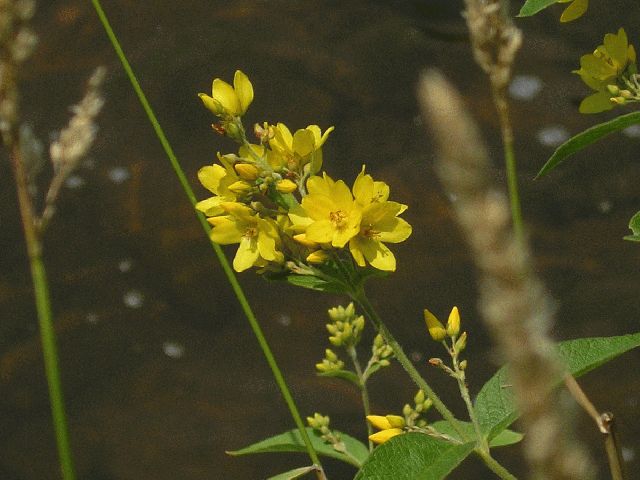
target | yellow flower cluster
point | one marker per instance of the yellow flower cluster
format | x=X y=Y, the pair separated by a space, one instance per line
x=611 y=71
x=272 y=200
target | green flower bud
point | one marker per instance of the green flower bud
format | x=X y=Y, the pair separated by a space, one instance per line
x=407 y=410
x=461 y=343
x=419 y=397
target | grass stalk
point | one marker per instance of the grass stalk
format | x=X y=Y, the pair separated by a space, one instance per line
x=45 y=317
x=231 y=277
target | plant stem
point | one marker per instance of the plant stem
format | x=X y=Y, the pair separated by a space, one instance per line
x=364 y=392
x=45 y=320
x=464 y=393
x=361 y=298
x=502 y=106
x=494 y=466
x=235 y=285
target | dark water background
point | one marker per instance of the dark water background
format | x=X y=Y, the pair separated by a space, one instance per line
x=160 y=370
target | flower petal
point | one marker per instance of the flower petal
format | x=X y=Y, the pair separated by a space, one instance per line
x=596 y=103
x=210 y=177
x=224 y=93
x=244 y=90
x=320 y=231
x=246 y=255
x=226 y=231
x=399 y=233
x=210 y=206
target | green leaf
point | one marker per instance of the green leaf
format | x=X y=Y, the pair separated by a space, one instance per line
x=413 y=456
x=531 y=7
x=347 y=375
x=295 y=473
x=503 y=439
x=292 y=442
x=314 y=283
x=586 y=138
x=634 y=225
x=495 y=405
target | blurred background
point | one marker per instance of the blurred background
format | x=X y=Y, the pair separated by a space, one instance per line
x=161 y=372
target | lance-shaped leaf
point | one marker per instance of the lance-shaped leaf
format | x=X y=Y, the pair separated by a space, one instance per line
x=357 y=452
x=586 y=138
x=531 y=7
x=293 y=474
x=495 y=404
x=503 y=439
x=414 y=456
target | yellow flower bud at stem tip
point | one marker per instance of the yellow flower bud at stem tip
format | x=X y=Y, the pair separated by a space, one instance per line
x=436 y=329
x=453 y=324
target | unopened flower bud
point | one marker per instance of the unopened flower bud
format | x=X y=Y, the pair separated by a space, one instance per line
x=419 y=397
x=240 y=187
x=233 y=131
x=396 y=421
x=626 y=94
x=463 y=365
x=302 y=239
x=407 y=410
x=613 y=89
x=461 y=343
x=384 y=435
x=436 y=362
x=453 y=324
x=378 y=341
x=286 y=186
x=436 y=329
x=319 y=256
x=246 y=171
x=330 y=355
x=379 y=421
x=618 y=100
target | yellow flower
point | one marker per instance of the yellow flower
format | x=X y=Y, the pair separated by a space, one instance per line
x=379 y=224
x=258 y=237
x=575 y=10
x=301 y=148
x=605 y=70
x=217 y=180
x=436 y=329
x=389 y=426
x=335 y=216
x=228 y=101
x=366 y=190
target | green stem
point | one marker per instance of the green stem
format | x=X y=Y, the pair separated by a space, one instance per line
x=502 y=107
x=494 y=466
x=464 y=393
x=237 y=289
x=45 y=318
x=361 y=298
x=364 y=392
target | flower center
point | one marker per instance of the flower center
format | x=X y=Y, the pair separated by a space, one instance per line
x=251 y=232
x=369 y=232
x=338 y=218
